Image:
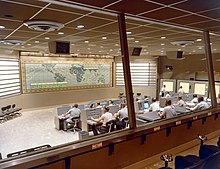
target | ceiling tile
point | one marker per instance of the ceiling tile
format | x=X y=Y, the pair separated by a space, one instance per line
x=133 y=7
x=185 y=20
x=98 y=3
x=213 y=13
x=17 y=11
x=198 y=5
x=205 y=25
x=61 y=17
x=167 y=2
x=88 y=22
x=9 y=24
x=165 y=13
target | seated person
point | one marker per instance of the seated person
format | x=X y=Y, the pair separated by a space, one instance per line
x=195 y=99
x=202 y=105
x=106 y=116
x=72 y=113
x=110 y=103
x=98 y=105
x=167 y=95
x=120 y=115
x=154 y=106
x=180 y=102
x=168 y=111
x=146 y=98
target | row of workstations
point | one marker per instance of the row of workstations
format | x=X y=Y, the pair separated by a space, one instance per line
x=143 y=116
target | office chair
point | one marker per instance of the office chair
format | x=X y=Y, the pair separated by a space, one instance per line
x=125 y=121
x=166 y=158
x=74 y=122
x=110 y=125
x=13 y=106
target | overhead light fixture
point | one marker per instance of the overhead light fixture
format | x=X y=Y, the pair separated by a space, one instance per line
x=128 y=33
x=163 y=37
x=47 y=38
x=86 y=41
x=198 y=40
x=80 y=26
x=11 y=42
x=162 y=44
x=2 y=27
x=182 y=42
x=136 y=41
x=36 y=41
x=104 y=37
x=60 y=33
x=43 y=25
x=29 y=44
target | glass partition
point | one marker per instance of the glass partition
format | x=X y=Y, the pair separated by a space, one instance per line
x=179 y=80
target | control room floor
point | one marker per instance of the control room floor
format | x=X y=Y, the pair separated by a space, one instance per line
x=32 y=129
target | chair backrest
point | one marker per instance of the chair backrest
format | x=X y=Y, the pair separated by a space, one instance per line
x=111 y=125
x=125 y=120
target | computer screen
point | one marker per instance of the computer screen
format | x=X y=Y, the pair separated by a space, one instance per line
x=146 y=105
x=185 y=86
x=169 y=85
x=113 y=109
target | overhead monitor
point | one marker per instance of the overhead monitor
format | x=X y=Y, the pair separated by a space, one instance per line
x=217 y=89
x=200 y=88
x=169 y=85
x=185 y=86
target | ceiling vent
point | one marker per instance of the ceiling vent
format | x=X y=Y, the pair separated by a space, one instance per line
x=39 y=25
x=182 y=42
x=11 y=42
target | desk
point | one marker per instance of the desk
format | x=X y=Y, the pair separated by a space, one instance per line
x=181 y=110
x=59 y=122
x=153 y=116
x=7 y=112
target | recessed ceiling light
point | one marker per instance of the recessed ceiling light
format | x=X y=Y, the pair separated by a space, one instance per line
x=162 y=44
x=72 y=44
x=116 y=44
x=194 y=50
x=163 y=37
x=190 y=53
x=104 y=37
x=78 y=50
x=101 y=46
x=111 y=50
x=22 y=46
x=100 y=51
x=198 y=40
x=88 y=48
x=60 y=33
x=130 y=38
x=86 y=41
x=47 y=38
x=128 y=33
x=2 y=27
x=200 y=47
x=29 y=44
x=214 y=49
x=80 y=26
x=210 y=43
x=179 y=49
x=36 y=41
x=136 y=41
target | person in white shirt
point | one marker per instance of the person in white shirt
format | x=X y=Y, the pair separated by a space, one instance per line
x=98 y=105
x=106 y=117
x=195 y=99
x=181 y=91
x=168 y=95
x=154 y=106
x=168 y=111
x=74 y=112
x=120 y=116
x=110 y=103
x=180 y=102
x=202 y=105
x=163 y=91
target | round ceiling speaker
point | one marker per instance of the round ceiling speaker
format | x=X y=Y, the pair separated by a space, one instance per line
x=182 y=42
x=11 y=41
x=43 y=25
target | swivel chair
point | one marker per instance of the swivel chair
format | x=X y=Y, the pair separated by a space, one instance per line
x=73 y=123
x=110 y=125
x=166 y=158
x=125 y=121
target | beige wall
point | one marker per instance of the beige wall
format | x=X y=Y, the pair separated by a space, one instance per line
x=48 y=99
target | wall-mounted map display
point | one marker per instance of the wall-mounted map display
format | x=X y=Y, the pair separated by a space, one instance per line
x=40 y=77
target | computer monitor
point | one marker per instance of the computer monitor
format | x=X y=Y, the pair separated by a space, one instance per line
x=104 y=103
x=113 y=109
x=116 y=102
x=81 y=106
x=146 y=105
x=93 y=112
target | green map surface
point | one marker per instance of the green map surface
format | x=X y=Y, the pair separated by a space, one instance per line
x=43 y=76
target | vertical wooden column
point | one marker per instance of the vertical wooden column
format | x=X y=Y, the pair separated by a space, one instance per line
x=126 y=68
x=210 y=68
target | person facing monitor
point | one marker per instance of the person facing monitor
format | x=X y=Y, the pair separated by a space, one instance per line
x=74 y=112
x=154 y=105
x=202 y=105
x=195 y=99
x=168 y=111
